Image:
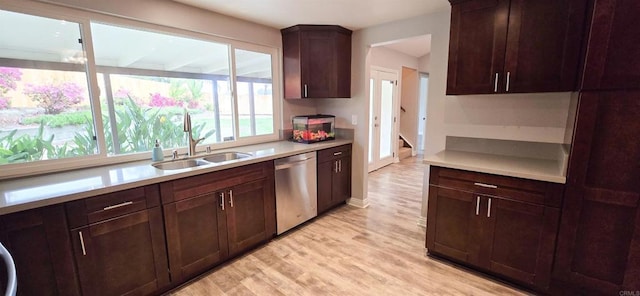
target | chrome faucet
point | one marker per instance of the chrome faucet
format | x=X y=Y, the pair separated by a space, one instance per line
x=187 y=129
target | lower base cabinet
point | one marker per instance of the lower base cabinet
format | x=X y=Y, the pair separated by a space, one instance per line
x=141 y=241
x=334 y=177
x=38 y=241
x=505 y=226
x=123 y=253
x=213 y=217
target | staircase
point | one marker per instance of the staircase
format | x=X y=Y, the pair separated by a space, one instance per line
x=404 y=150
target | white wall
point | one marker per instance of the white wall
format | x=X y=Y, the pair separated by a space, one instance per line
x=423 y=63
x=295 y=107
x=391 y=59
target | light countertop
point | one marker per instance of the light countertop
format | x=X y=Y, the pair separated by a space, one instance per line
x=521 y=167
x=38 y=191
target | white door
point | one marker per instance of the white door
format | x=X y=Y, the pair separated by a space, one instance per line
x=383 y=139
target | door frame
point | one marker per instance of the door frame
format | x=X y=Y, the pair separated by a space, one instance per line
x=374 y=165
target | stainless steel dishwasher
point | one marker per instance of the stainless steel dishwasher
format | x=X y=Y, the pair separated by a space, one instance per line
x=296 y=190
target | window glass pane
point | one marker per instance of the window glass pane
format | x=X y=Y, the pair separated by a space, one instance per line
x=255 y=99
x=151 y=78
x=45 y=109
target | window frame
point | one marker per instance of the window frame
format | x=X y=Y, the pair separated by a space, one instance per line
x=84 y=19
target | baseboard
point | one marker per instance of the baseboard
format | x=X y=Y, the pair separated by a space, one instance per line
x=422 y=222
x=358 y=203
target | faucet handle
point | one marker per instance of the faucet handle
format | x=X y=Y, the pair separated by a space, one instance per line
x=175 y=154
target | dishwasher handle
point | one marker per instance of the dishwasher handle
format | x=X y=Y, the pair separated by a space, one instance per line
x=287 y=165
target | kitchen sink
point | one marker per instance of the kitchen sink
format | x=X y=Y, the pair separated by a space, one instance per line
x=208 y=159
x=180 y=164
x=226 y=156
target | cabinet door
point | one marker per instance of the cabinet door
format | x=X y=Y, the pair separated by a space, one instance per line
x=523 y=240
x=196 y=235
x=125 y=255
x=325 y=189
x=477 y=47
x=612 y=56
x=452 y=223
x=543 y=58
x=318 y=64
x=250 y=215
x=38 y=241
x=341 y=181
x=599 y=238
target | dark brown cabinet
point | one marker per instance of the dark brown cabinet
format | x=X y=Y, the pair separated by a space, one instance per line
x=317 y=61
x=334 y=177
x=599 y=237
x=215 y=216
x=38 y=241
x=118 y=242
x=502 y=225
x=250 y=215
x=196 y=235
x=514 y=46
x=612 y=57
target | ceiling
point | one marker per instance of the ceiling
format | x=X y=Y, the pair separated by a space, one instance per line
x=351 y=14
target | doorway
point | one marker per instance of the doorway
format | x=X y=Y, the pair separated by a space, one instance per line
x=422 y=110
x=382 y=117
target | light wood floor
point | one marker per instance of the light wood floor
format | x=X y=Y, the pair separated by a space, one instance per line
x=352 y=251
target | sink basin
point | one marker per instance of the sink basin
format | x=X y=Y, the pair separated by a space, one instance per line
x=179 y=164
x=222 y=157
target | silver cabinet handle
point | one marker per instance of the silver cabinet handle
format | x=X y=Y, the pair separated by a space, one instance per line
x=231 y=198
x=508 y=78
x=477 y=205
x=337 y=153
x=84 y=250
x=489 y=209
x=222 y=200
x=340 y=165
x=126 y=203
x=305 y=90
x=495 y=84
x=486 y=185
x=336 y=168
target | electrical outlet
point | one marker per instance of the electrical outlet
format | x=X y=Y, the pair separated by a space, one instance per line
x=354 y=119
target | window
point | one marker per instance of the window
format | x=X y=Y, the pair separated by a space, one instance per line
x=45 y=107
x=149 y=79
x=255 y=99
x=145 y=81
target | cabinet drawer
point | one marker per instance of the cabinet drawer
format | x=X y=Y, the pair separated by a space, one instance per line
x=531 y=191
x=107 y=206
x=330 y=154
x=207 y=183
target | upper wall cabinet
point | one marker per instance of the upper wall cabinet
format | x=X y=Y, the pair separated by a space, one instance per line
x=317 y=62
x=515 y=46
x=614 y=43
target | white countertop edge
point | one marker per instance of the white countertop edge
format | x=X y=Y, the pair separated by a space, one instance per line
x=291 y=148
x=498 y=165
